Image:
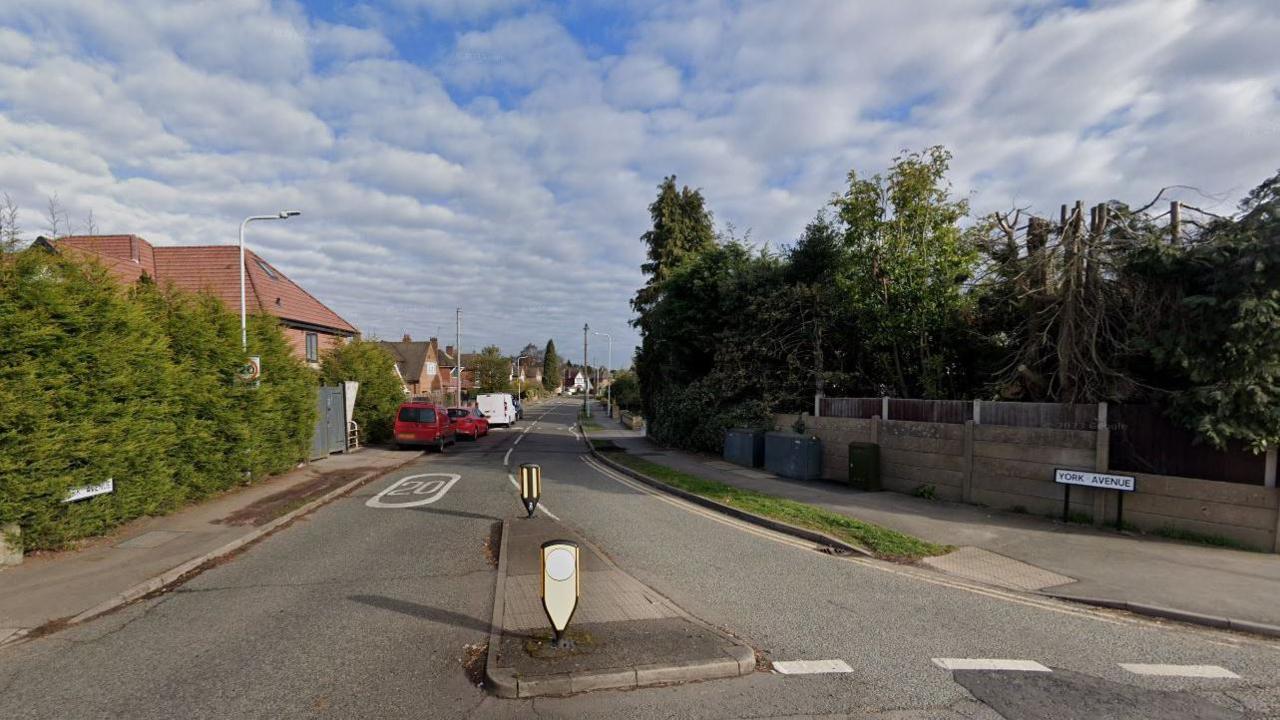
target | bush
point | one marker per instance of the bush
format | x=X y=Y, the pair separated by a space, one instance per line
x=381 y=391
x=99 y=382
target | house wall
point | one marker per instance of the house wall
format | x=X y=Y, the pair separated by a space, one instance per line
x=298 y=341
x=1012 y=468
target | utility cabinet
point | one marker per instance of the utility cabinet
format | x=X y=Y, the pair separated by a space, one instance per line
x=793 y=455
x=745 y=447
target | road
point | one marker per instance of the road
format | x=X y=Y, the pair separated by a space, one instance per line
x=364 y=610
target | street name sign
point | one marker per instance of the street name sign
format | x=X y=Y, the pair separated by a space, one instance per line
x=1103 y=481
x=89 y=491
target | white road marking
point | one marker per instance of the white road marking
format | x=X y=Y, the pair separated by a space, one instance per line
x=506 y=459
x=1196 y=671
x=411 y=486
x=989 y=664
x=541 y=507
x=811 y=667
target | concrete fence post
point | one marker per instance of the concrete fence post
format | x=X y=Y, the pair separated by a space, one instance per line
x=977 y=412
x=817 y=404
x=966 y=479
x=10 y=552
x=884 y=408
x=1101 y=461
x=1269 y=473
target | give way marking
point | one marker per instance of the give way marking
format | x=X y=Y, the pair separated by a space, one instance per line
x=418 y=492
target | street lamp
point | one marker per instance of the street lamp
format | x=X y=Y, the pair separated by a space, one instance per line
x=608 y=365
x=520 y=377
x=244 y=325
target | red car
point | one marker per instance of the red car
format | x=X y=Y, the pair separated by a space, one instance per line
x=424 y=423
x=470 y=422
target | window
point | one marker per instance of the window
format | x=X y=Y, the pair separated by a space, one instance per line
x=313 y=347
x=458 y=412
x=267 y=269
x=432 y=368
x=419 y=415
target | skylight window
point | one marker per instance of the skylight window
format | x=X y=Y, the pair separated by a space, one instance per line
x=267 y=269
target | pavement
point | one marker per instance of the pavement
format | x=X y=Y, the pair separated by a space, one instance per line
x=624 y=634
x=379 y=604
x=1207 y=585
x=53 y=589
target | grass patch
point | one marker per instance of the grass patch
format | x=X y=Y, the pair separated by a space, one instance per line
x=1174 y=533
x=883 y=542
x=589 y=424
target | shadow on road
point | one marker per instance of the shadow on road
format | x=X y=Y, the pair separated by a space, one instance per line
x=423 y=612
x=458 y=513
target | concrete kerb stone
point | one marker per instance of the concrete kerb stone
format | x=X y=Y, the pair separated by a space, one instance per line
x=1164 y=613
x=503 y=682
x=814 y=536
x=171 y=576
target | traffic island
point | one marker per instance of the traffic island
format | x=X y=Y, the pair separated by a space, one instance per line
x=623 y=634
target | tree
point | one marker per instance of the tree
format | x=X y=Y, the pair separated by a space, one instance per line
x=57 y=223
x=492 y=371
x=902 y=232
x=682 y=227
x=626 y=390
x=380 y=392
x=1218 y=342
x=551 y=367
x=10 y=230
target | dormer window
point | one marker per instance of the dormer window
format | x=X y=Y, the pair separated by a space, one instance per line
x=267 y=269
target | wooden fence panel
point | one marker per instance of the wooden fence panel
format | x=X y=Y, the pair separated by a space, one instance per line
x=1144 y=440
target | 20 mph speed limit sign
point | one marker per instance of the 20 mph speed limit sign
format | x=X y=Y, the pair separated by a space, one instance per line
x=251 y=370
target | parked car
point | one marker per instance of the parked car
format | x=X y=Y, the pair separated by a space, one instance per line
x=424 y=424
x=498 y=407
x=469 y=422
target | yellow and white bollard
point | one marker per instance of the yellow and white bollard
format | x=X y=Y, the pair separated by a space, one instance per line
x=530 y=486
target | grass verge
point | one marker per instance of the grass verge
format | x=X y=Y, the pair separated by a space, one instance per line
x=1174 y=533
x=884 y=543
x=588 y=424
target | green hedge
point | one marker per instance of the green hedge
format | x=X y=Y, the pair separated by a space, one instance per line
x=380 y=392
x=135 y=384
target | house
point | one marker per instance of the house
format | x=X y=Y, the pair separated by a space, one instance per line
x=527 y=370
x=447 y=359
x=575 y=380
x=418 y=365
x=309 y=324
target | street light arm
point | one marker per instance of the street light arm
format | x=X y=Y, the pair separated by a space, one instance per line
x=244 y=315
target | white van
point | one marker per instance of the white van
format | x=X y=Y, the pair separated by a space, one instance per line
x=500 y=408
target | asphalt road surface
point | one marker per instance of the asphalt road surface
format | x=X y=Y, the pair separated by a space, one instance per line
x=370 y=606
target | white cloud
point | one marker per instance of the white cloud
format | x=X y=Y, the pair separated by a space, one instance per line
x=529 y=152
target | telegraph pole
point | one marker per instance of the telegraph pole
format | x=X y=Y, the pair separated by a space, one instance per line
x=586 y=379
x=458 y=359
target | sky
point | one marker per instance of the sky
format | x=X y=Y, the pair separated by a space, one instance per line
x=500 y=155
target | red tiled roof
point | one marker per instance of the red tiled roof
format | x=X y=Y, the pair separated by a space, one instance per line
x=212 y=269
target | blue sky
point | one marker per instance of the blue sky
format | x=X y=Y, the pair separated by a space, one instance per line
x=499 y=155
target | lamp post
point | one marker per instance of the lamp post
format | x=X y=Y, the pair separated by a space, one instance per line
x=244 y=324
x=520 y=378
x=608 y=367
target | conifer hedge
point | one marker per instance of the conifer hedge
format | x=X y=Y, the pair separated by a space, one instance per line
x=136 y=384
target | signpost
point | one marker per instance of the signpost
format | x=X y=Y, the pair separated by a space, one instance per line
x=251 y=370
x=530 y=486
x=560 y=585
x=89 y=491
x=1101 y=481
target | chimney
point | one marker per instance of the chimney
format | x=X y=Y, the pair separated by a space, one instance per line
x=407 y=338
x=133 y=248
x=448 y=350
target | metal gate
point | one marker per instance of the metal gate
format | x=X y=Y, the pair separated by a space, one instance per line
x=330 y=435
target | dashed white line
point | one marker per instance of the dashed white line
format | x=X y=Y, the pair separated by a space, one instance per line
x=811 y=667
x=989 y=664
x=1196 y=671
